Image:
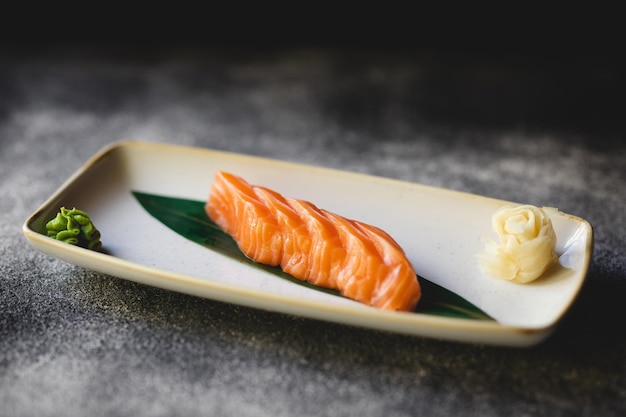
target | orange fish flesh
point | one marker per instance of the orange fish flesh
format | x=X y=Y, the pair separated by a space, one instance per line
x=361 y=261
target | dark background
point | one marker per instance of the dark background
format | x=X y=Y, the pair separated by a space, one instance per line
x=497 y=103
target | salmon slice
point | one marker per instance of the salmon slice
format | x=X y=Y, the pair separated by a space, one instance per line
x=361 y=261
x=295 y=237
x=238 y=211
x=326 y=252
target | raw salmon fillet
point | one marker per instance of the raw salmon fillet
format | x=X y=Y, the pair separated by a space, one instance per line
x=361 y=261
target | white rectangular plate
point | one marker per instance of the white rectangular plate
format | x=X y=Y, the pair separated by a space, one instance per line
x=440 y=230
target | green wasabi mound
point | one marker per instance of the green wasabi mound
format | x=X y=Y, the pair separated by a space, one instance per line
x=74 y=227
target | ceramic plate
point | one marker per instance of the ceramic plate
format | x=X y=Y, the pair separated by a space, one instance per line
x=440 y=230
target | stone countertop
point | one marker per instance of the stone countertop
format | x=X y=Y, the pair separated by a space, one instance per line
x=530 y=129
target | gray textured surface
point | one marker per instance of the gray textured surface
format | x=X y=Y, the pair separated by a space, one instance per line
x=76 y=343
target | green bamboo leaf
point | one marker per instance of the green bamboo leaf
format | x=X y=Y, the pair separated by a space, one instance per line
x=189 y=219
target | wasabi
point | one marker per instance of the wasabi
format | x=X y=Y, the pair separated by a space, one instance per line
x=74 y=227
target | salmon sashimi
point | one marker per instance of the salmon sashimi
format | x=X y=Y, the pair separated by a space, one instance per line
x=361 y=261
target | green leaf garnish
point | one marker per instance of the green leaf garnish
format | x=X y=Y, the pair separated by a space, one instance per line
x=189 y=219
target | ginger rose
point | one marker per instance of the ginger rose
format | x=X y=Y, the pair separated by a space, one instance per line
x=527 y=242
